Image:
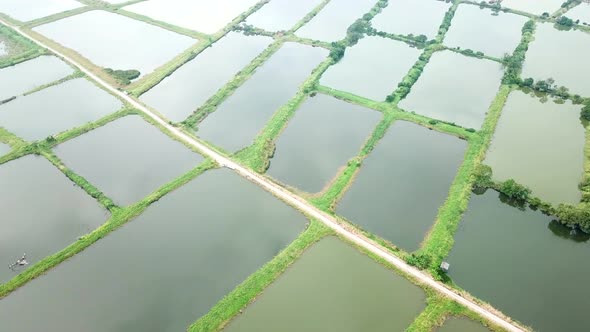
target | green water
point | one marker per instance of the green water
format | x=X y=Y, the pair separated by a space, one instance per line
x=561 y=55
x=536 y=7
x=385 y=198
x=333 y=287
x=324 y=134
x=470 y=87
x=57 y=109
x=417 y=17
x=373 y=79
x=165 y=269
x=331 y=23
x=281 y=15
x=27 y=10
x=200 y=15
x=180 y=94
x=456 y=324
x=474 y=28
x=117 y=41
x=39 y=202
x=127 y=159
x=237 y=121
x=522 y=263
x=26 y=76
x=540 y=145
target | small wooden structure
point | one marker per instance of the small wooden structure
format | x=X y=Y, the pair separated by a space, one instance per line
x=445 y=266
x=19 y=262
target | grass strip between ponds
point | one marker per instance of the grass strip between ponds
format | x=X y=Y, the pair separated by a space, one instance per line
x=247 y=291
x=119 y=217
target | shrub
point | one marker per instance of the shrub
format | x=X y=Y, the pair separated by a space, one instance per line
x=514 y=190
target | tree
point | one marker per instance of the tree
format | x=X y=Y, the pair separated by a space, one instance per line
x=565 y=21
x=586 y=112
x=514 y=190
x=528 y=82
x=337 y=51
x=574 y=216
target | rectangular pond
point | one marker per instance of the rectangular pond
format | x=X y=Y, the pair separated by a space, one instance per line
x=541 y=145
x=372 y=68
x=57 y=109
x=200 y=15
x=523 y=263
x=561 y=55
x=416 y=17
x=117 y=42
x=333 y=287
x=331 y=23
x=324 y=134
x=536 y=7
x=181 y=93
x=127 y=159
x=42 y=213
x=28 y=10
x=580 y=12
x=470 y=87
x=159 y=273
x=281 y=15
x=462 y=324
x=410 y=164
x=480 y=29
x=26 y=76
x=237 y=120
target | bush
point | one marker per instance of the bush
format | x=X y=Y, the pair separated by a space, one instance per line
x=123 y=76
x=586 y=112
x=514 y=190
x=337 y=51
x=574 y=216
x=420 y=261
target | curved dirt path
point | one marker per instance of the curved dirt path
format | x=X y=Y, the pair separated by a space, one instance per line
x=290 y=198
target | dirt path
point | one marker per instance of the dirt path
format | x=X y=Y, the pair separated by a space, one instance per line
x=291 y=199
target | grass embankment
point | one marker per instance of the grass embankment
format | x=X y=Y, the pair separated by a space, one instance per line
x=119 y=216
x=58 y=16
x=257 y=156
x=20 y=49
x=247 y=291
x=149 y=81
x=229 y=88
x=76 y=74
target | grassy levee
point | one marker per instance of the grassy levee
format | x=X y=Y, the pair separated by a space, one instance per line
x=149 y=81
x=306 y=41
x=502 y=9
x=240 y=78
x=257 y=156
x=309 y=16
x=439 y=240
x=12 y=140
x=248 y=290
x=161 y=24
x=438 y=309
x=23 y=49
x=473 y=54
x=58 y=16
x=354 y=99
x=119 y=216
x=76 y=74
x=585 y=184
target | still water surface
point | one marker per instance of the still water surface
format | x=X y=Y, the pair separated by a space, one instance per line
x=334 y=287
x=27 y=10
x=281 y=15
x=417 y=17
x=166 y=268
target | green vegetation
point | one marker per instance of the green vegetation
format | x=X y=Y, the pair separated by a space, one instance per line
x=123 y=76
x=19 y=48
x=76 y=74
x=513 y=62
x=247 y=291
x=565 y=22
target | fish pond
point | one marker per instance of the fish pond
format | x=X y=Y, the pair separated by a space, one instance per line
x=281 y=15
x=410 y=164
x=561 y=55
x=536 y=7
x=324 y=134
x=461 y=324
x=412 y=17
x=57 y=109
x=117 y=42
x=333 y=287
x=26 y=76
x=470 y=87
x=159 y=273
x=480 y=29
x=238 y=119
x=580 y=12
x=199 y=15
x=127 y=159
x=540 y=145
x=370 y=63
x=522 y=263
x=27 y=10
x=180 y=94
x=331 y=23
x=39 y=202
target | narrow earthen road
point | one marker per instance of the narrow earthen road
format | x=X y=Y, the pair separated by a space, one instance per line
x=290 y=198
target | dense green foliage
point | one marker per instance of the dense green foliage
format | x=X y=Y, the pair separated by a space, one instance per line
x=19 y=48
x=586 y=112
x=514 y=62
x=123 y=76
x=574 y=216
x=515 y=190
x=565 y=21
